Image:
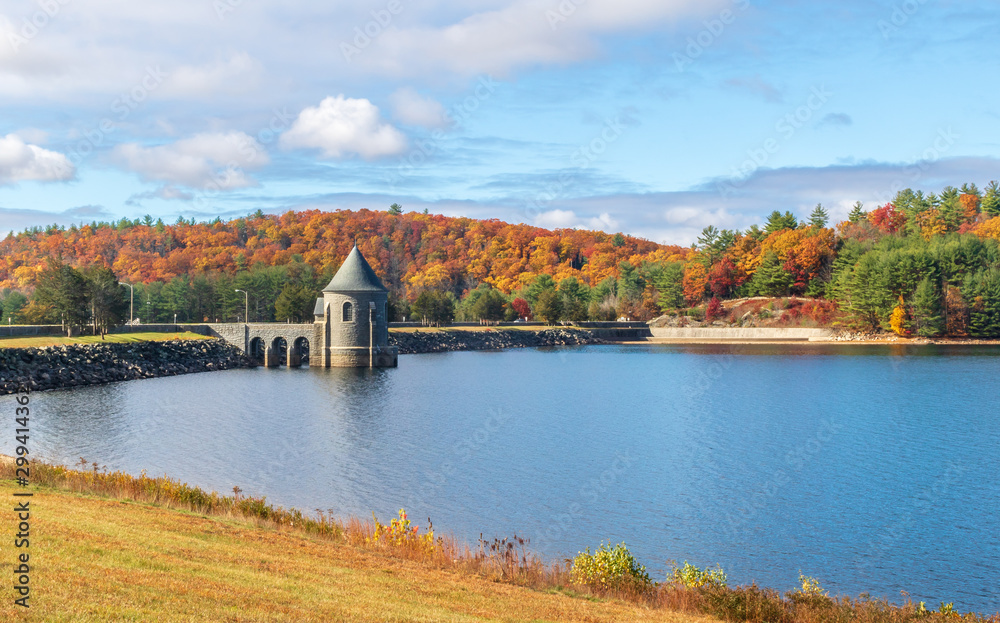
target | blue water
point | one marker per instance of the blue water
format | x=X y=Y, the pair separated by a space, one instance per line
x=873 y=469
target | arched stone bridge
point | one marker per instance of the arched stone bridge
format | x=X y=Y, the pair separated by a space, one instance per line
x=272 y=343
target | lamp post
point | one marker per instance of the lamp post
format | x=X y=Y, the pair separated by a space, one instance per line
x=131 y=303
x=246 y=301
x=149 y=312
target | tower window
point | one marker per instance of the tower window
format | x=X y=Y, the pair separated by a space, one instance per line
x=348 y=312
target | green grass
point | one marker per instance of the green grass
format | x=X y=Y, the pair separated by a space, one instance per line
x=42 y=341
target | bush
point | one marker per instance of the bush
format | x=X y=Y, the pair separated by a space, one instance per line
x=714 y=310
x=610 y=568
x=399 y=533
x=696 y=313
x=691 y=576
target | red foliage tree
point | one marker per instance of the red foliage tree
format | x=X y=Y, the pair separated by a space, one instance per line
x=522 y=308
x=887 y=219
x=723 y=278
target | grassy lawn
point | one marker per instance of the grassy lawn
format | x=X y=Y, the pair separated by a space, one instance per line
x=99 y=559
x=117 y=338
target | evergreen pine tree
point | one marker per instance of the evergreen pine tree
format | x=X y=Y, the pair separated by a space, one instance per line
x=991 y=200
x=819 y=216
x=927 y=309
x=857 y=213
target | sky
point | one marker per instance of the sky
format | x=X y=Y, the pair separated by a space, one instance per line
x=651 y=117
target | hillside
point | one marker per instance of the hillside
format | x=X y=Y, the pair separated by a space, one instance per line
x=926 y=266
x=407 y=250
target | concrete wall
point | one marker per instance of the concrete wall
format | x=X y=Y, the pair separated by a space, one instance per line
x=708 y=333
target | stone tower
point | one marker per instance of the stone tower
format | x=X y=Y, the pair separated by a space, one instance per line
x=352 y=318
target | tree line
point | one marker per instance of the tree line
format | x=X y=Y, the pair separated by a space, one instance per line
x=921 y=264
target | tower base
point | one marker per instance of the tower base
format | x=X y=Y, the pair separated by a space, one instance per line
x=340 y=357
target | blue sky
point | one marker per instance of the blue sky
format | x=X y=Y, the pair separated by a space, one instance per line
x=655 y=118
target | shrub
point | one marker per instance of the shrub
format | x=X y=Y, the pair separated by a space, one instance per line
x=399 y=533
x=810 y=586
x=810 y=594
x=714 y=310
x=691 y=576
x=610 y=568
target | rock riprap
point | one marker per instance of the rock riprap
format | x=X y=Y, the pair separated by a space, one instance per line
x=56 y=367
x=413 y=342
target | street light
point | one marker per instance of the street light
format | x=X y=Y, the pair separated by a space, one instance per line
x=246 y=297
x=131 y=302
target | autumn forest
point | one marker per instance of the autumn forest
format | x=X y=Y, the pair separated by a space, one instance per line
x=923 y=265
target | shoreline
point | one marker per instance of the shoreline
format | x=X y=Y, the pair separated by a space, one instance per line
x=78 y=365
x=176 y=503
x=825 y=341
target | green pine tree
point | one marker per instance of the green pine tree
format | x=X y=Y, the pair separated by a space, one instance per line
x=819 y=217
x=928 y=308
x=991 y=200
x=771 y=279
x=857 y=213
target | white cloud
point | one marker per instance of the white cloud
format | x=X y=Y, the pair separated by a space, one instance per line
x=521 y=34
x=568 y=219
x=20 y=162
x=603 y=222
x=411 y=108
x=556 y=219
x=207 y=161
x=341 y=127
x=237 y=75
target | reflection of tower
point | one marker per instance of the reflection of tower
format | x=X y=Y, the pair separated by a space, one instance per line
x=352 y=318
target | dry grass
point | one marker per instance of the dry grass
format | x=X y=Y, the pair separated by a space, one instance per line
x=111 y=338
x=158 y=549
x=101 y=559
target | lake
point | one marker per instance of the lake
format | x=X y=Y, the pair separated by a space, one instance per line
x=871 y=468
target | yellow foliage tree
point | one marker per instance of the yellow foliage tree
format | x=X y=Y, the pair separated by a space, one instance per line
x=989 y=228
x=899 y=322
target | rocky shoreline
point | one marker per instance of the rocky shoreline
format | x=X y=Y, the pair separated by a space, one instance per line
x=57 y=367
x=415 y=342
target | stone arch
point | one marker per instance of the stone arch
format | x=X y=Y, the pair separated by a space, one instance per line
x=279 y=346
x=298 y=354
x=256 y=350
x=348 y=313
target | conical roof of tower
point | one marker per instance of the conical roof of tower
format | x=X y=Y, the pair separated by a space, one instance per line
x=355 y=275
